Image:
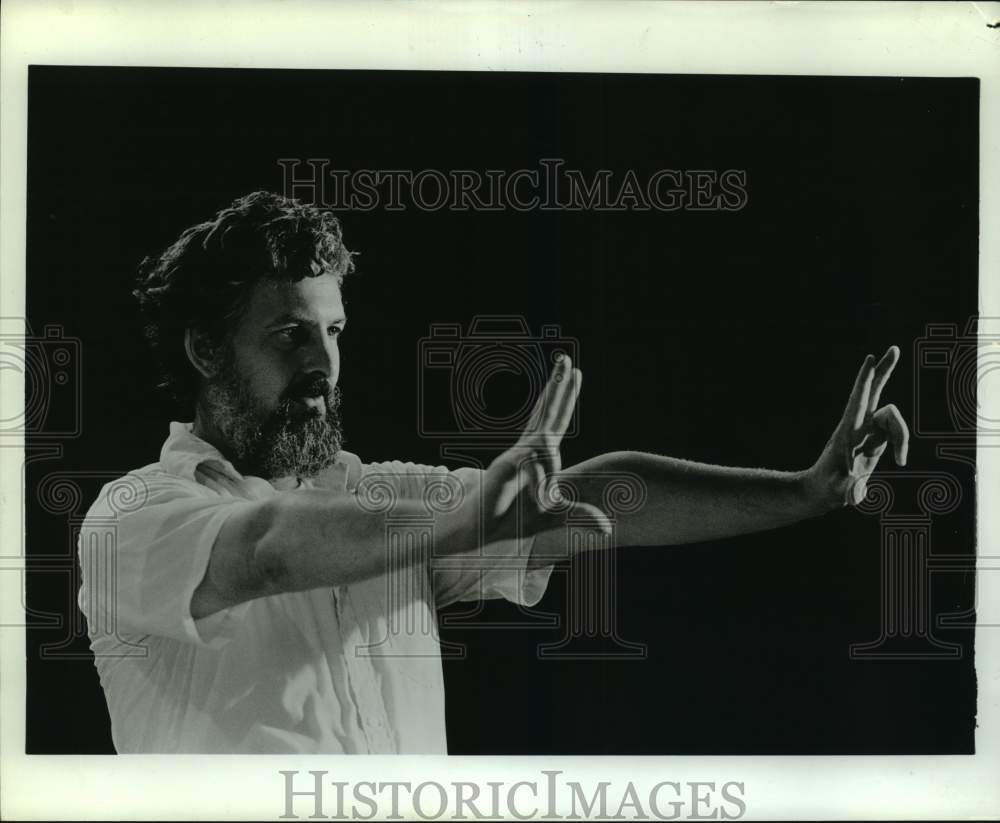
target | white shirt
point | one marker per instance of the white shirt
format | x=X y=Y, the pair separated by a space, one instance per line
x=350 y=669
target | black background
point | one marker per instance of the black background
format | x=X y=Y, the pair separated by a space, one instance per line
x=725 y=337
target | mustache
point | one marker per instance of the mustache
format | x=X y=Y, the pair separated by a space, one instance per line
x=313 y=386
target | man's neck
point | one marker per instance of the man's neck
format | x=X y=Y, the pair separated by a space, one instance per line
x=204 y=429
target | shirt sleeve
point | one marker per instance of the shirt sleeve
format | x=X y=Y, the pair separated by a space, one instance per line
x=495 y=570
x=144 y=548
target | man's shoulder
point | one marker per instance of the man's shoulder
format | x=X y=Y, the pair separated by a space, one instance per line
x=139 y=487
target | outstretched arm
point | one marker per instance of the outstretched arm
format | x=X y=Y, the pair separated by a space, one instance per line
x=688 y=502
x=309 y=538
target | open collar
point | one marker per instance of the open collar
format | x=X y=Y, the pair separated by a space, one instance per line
x=183 y=452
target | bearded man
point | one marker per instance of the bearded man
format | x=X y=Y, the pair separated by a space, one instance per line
x=243 y=594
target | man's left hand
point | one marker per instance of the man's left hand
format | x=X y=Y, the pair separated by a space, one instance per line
x=840 y=476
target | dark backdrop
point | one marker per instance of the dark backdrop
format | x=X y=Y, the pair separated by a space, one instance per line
x=724 y=337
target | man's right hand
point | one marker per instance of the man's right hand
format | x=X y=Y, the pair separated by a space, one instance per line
x=521 y=496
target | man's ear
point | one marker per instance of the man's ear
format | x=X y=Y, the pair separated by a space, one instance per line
x=202 y=352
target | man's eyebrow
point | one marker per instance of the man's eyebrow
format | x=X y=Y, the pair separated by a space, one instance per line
x=291 y=317
x=288 y=317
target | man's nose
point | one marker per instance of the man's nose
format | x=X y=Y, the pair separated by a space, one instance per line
x=323 y=355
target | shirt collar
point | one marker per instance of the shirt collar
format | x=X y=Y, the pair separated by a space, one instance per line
x=183 y=452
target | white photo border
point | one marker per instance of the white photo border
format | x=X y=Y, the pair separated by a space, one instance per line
x=821 y=38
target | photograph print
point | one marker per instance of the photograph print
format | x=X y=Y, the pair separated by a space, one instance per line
x=500 y=413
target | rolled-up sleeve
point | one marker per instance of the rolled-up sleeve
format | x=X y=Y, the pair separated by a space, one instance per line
x=144 y=553
x=496 y=570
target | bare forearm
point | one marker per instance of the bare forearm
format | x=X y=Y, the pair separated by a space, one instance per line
x=316 y=541
x=687 y=502
x=308 y=539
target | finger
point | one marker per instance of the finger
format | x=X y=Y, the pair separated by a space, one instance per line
x=858 y=491
x=528 y=466
x=890 y=420
x=882 y=373
x=537 y=412
x=552 y=396
x=548 y=463
x=589 y=517
x=582 y=516
x=857 y=404
x=551 y=494
x=568 y=402
x=545 y=406
x=552 y=438
x=560 y=381
x=873 y=444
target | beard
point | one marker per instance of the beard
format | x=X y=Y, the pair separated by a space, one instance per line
x=294 y=439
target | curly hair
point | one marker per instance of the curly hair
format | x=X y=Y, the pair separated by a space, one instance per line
x=204 y=279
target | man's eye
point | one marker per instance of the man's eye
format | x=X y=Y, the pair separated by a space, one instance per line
x=293 y=334
x=336 y=330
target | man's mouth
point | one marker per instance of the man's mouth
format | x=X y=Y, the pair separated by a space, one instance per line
x=309 y=397
x=317 y=403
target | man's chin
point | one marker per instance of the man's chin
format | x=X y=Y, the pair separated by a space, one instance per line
x=303 y=446
x=301 y=436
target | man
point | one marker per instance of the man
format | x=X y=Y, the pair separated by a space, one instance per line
x=252 y=591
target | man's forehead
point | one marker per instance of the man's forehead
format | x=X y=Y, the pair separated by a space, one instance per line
x=309 y=298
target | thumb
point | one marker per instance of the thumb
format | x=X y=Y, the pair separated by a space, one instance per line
x=582 y=517
x=858 y=491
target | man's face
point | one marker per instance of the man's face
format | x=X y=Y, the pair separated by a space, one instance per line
x=275 y=400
